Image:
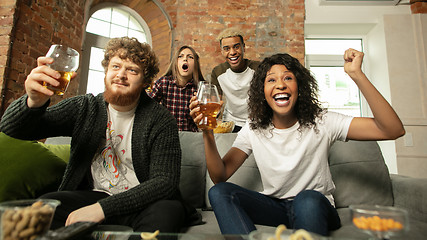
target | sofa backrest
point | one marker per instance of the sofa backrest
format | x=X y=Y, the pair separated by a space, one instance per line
x=357 y=168
x=195 y=180
x=360 y=174
x=193 y=168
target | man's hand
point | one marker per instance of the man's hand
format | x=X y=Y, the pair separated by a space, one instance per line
x=37 y=94
x=353 y=62
x=91 y=213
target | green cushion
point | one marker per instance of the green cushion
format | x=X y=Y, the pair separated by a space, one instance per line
x=60 y=150
x=27 y=169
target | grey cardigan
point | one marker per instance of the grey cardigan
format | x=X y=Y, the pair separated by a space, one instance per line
x=156 y=151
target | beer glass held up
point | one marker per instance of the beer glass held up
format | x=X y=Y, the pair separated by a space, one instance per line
x=65 y=61
x=209 y=103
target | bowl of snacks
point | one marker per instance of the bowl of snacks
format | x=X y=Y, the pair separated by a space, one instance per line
x=25 y=219
x=282 y=233
x=224 y=127
x=381 y=222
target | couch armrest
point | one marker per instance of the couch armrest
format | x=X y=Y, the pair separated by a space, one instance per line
x=411 y=194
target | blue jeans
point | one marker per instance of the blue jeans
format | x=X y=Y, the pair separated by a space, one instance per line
x=238 y=210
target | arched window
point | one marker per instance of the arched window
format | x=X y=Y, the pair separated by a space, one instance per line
x=107 y=21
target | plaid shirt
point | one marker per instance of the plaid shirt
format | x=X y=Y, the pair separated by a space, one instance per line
x=176 y=99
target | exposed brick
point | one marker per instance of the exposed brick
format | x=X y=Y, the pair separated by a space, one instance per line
x=418 y=7
x=267 y=25
x=8 y=3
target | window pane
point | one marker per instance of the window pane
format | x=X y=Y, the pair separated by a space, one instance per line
x=96 y=83
x=103 y=14
x=138 y=35
x=337 y=91
x=118 y=31
x=134 y=24
x=98 y=27
x=331 y=46
x=96 y=56
x=120 y=17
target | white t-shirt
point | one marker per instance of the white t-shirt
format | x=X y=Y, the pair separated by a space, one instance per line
x=112 y=169
x=291 y=161
x=235 y=87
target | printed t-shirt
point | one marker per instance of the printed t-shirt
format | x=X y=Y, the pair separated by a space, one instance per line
x=112 y=169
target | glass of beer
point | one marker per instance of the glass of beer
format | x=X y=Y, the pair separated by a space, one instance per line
x=65 y=61
x=209 y=103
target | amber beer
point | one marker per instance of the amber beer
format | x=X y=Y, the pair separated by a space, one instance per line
x=209 y=112
x=64 y=80
x=65 y=61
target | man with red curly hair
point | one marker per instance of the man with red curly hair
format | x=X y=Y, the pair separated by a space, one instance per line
x=125 y=154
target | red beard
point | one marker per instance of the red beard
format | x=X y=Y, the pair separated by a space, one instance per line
x=120 y=99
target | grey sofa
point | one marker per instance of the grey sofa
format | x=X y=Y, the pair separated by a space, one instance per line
x=358 y=170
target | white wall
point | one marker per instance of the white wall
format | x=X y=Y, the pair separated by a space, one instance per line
x=377 y=71
x=316 y=13
x=367 y=23
x=406 y=44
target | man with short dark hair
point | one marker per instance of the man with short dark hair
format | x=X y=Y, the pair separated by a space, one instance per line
x=125 y=157
x=233 y=76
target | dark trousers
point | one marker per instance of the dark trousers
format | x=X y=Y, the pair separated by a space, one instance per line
x=163 y=215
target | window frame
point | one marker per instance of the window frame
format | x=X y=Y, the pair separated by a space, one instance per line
x=332 y=60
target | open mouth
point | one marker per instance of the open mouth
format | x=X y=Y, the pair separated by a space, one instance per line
x=185 y=66
x=233 y=59
x=281 y=98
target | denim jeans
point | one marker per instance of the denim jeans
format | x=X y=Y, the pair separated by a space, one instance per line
x=238 y=210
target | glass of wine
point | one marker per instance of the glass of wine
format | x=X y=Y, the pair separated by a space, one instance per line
x=209 y=103
x=65 y=61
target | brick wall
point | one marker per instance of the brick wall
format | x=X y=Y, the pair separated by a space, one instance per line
x=418 y=6
x=270 y=26
x=7 y=18
x=35 y=26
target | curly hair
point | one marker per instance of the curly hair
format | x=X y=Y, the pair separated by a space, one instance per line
x=230 y=32
x=139 y=53
x=307 y=107
x=173 y=66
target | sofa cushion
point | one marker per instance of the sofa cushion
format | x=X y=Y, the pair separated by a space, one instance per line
x=27 y=169
x=193 y=168
x=61 y=150
x=360 y=174
x=60 y=146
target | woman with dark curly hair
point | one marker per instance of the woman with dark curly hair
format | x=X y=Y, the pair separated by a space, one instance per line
x=307 y=108
x=290 y=136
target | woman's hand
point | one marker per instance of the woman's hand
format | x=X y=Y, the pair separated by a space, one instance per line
x=195 y=109
x=353 y=62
